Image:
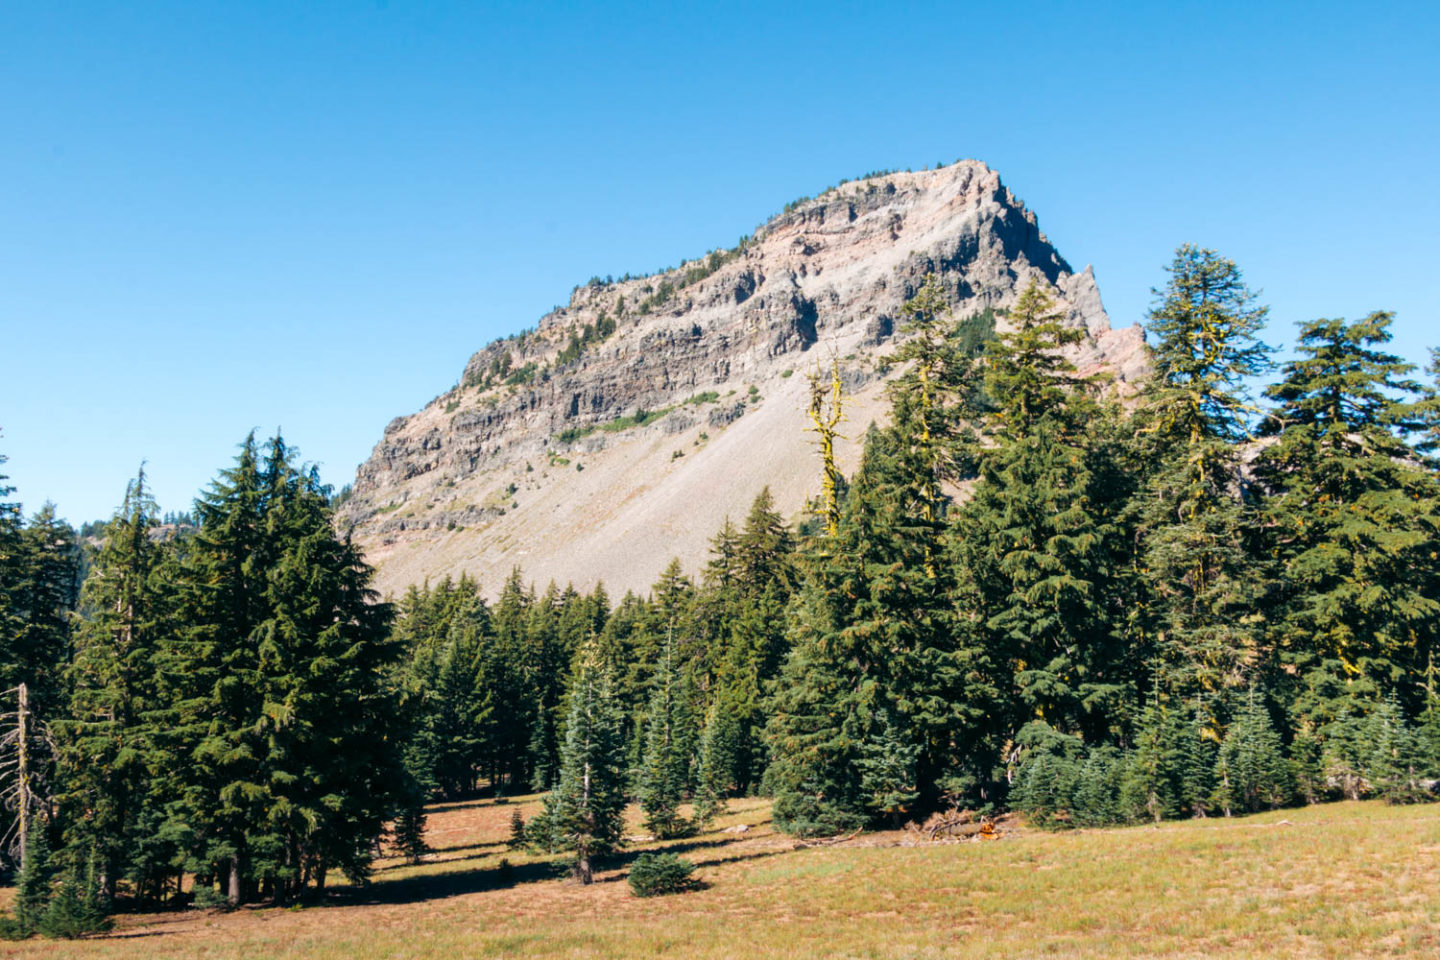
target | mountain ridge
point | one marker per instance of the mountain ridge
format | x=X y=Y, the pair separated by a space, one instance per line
x=631 y=421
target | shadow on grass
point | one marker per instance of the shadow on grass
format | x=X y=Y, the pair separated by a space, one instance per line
x=471 y=851
x=418 y=889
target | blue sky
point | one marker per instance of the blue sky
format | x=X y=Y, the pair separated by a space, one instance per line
x=216 y=217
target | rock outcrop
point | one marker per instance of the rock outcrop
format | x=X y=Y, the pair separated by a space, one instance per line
x=624 y=428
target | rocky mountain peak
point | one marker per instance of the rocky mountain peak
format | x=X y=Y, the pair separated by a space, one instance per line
x=628 y=423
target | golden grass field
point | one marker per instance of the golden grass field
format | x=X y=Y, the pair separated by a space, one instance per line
x=1341 y=880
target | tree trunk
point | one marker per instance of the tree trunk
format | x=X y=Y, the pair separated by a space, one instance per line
x=233 y=894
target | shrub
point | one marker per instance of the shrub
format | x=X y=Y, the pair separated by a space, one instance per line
x=10 y=929
x=655 y=874
x=518 y=839
x=73 y=913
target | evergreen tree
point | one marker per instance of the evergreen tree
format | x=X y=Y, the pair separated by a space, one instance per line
x=720 y=748
x=1096 y=800
x=1036 y=545
x=76 y=909
x=584 y=812
x=508 y=671
x=1251 y=772
x=1397 y=764
x=1427 y=734
x=45 y=597
x=34 y=887
x=666 y=763
x=110 y=747
x=288 y=698
x=887 y=771
x=1047 y=779
x=817 y=720
x=517 y=838
x=1355 y=522
x=1204 y=583
x=11 y=573
x=1147 y=789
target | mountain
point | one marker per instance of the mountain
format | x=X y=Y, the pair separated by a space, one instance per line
x=628 y=424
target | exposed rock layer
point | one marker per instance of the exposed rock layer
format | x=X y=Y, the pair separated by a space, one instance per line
x=542 y=471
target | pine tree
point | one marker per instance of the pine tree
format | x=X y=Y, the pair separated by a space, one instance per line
x=584 y=812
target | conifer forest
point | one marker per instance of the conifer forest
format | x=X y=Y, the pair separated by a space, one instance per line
x=1215 y=595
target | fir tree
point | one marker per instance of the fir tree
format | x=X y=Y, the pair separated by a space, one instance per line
x=887 y=771
x=34 y=887
x=719 y=757
x=518 y=837
x=1047 y=779
x=1035 y=546
x=1355 y=521
x=12 y=571
x=109 y=744
x=1147 y=788
x=1251 y=772
x=1203 y=580
x=1397 y=763
x=584 y=813
x=287 y=702
x=1096 y=800
x=666 y=762
x=76 y=910
x=45 y=597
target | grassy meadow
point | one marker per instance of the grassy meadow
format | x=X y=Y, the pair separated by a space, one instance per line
x=1340 y=880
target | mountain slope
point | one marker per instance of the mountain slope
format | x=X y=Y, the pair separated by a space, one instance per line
x=631 y=422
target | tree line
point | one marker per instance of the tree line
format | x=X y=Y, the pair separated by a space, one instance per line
x=1198 y=599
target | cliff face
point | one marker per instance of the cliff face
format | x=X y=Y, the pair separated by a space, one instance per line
x=629 y=423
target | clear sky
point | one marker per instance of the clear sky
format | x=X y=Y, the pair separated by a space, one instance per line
x=223 y=216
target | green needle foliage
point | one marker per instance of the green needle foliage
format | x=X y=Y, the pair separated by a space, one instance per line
x=1093 y=607
x=584 y=813
x=1355 y=518
x=666 y=764
x=1035 y=547
x=1195 y=525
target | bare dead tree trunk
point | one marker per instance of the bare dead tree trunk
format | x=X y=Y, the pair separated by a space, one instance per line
x=23 y=746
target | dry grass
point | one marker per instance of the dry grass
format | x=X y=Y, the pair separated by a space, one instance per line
x=1344 y=880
